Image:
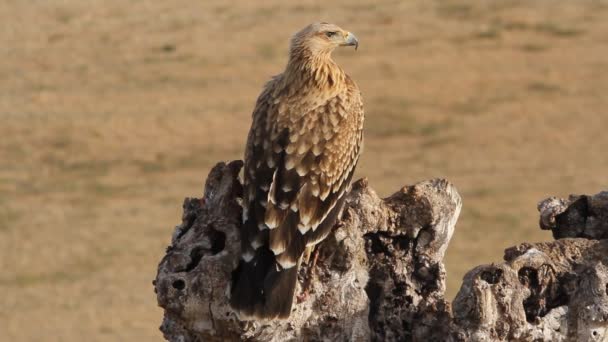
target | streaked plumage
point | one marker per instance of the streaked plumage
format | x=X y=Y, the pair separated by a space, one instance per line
x=301 y=153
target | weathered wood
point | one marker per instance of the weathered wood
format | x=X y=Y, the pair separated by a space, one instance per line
x=380 y=274
x=578 y=216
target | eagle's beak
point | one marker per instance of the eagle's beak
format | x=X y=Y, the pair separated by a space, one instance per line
x=351 y=40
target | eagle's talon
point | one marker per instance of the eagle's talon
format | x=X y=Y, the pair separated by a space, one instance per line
x=302 y=297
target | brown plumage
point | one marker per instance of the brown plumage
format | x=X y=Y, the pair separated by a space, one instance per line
x=301 y=153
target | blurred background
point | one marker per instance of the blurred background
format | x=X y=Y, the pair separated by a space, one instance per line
x=112 y=112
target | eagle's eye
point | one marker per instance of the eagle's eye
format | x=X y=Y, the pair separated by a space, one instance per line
x=330 y=34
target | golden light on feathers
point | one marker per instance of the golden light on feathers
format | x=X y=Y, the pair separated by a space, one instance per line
x=301 y=153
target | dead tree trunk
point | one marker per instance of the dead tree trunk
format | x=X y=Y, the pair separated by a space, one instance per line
x=380 y=274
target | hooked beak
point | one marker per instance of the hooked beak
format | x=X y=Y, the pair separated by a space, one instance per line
x=351 y=40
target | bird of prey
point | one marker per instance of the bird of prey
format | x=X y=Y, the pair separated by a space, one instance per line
x=302 y=149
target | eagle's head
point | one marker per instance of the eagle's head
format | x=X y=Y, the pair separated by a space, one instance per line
x=321 y=39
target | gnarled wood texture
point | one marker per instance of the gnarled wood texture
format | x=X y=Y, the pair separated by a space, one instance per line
x=380 y=273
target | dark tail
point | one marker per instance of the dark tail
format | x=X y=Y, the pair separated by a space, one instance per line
x=260 y=290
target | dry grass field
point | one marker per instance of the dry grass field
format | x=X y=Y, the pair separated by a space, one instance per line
x=111 y=112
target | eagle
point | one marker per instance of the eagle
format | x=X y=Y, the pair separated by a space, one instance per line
x=302 y=149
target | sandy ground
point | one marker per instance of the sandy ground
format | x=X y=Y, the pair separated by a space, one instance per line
x=111 y=113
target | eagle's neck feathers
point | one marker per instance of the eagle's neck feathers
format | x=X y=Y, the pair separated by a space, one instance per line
x=314 y=72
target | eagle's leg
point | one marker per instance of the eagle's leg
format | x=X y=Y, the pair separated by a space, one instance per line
x=307 y=253
x=309 y=272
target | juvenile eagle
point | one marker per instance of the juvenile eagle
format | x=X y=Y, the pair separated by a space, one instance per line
x=301 y=153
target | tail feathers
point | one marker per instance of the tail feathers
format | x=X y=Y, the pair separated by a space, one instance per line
x=245 y=296
x=279 y=289
x=261 y=290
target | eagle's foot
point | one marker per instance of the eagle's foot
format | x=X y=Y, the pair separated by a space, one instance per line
x=309 y=275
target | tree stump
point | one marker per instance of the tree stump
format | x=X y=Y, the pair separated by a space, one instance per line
x=380 y=273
